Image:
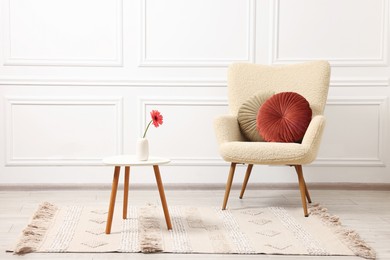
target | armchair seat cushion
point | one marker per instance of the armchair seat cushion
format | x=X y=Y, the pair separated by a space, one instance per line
x=266 y=153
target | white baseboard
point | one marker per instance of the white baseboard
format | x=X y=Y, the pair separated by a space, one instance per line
x=196 y=186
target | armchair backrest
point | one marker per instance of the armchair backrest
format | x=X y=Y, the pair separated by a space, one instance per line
x=310 y=79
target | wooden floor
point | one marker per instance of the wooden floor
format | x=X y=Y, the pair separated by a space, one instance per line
x=367 y=212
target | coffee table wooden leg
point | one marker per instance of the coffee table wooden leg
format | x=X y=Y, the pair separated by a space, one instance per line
x=112 y=199
x=162 y=196
x=126 y=191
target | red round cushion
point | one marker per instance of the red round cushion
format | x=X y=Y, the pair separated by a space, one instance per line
x=284 y=117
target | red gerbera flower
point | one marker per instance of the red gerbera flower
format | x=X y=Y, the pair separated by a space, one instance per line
x=157 y=120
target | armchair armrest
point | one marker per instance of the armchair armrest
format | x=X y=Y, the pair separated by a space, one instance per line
x=313 y=135
x=227 y=129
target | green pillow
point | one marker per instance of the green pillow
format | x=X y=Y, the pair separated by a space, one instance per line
x=247 y=116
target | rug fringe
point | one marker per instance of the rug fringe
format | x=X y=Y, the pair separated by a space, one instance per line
x=349 y=237
x=33 y=234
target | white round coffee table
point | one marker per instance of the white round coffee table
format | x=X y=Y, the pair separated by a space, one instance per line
x=127 y=161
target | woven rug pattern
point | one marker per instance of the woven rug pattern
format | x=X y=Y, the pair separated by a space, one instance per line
x=271 y=230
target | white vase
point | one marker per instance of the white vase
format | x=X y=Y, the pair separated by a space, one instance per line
x=142 y=151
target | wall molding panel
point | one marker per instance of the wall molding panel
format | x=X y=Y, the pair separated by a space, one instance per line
x=62 y=55
x=182 y=102
x=110 y=107
x=146 y=61
x=374 y=61
x=374 y=161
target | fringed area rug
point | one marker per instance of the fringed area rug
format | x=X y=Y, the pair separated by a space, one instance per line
x=272 y=230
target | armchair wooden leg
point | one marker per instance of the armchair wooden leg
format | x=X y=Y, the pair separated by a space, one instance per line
x=229 y=185
x=306 y=191
x=302 y=188
x=247 y=174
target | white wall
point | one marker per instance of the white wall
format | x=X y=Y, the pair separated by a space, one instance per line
x=79 y=77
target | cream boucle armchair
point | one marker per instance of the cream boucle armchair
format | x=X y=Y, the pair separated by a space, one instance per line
x=311 y=80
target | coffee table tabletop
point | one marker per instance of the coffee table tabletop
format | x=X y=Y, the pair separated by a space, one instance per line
x=131 y=160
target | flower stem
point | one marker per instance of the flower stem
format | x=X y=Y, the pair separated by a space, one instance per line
x=147 y=128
